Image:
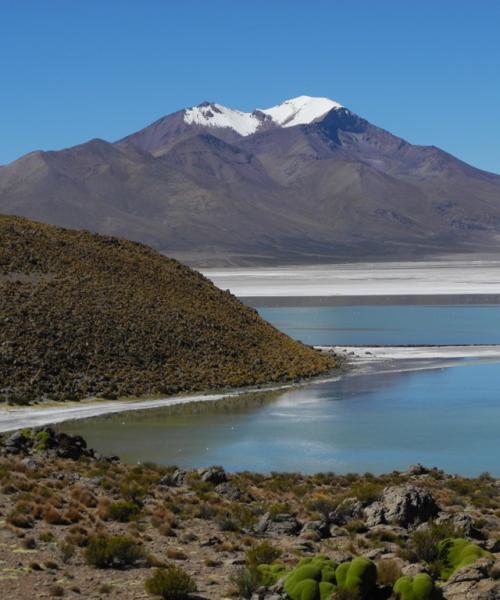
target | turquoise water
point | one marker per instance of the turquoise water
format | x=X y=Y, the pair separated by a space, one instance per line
x=377 y=421
x=388 y=325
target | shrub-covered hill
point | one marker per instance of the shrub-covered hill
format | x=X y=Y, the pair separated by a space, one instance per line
x=85 y=315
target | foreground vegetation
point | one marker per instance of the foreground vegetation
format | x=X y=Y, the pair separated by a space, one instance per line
x=77 y=525
x=83 y=315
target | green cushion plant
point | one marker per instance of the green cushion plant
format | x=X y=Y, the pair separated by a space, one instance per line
x=312 y=579
x=358 y=577
x=270 y=574
x=420 y=587
x=455 y=553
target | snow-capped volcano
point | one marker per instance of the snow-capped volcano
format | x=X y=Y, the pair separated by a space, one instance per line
x=300 y=111
x=210 y=114
x=296 y=111
x=307 y=180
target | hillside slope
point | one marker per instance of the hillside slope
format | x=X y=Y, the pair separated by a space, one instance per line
x=83 y=315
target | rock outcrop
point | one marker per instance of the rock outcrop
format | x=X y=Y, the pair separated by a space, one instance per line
x=406 y=506
x=48 y=440
x=474 y=582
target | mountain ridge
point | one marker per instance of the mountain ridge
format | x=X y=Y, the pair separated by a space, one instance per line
x=329 y=189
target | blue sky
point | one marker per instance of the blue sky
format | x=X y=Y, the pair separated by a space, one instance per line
x=427 y=70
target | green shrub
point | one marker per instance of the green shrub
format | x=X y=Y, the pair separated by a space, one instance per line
x=107 y=551
x=269 y=574
x=420 y=587
x=278 y=508
x=246 y=582
x=67 y=551
x=261 y=554
x=312 y=579
x=425 y=540
x=323 y=505
x=358 y=576
x=172 y=583
x=455 y=553
x=42 y=439
x=123 y=511
x=260 y=569
x=367 y=492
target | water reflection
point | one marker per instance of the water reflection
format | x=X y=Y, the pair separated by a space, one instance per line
x=368 y=422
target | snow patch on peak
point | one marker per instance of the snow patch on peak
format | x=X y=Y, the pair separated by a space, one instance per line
x=301 y=110
x=210 y=114
x=296 y=111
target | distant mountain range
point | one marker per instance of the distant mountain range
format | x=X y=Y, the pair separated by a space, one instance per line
x=305 y=181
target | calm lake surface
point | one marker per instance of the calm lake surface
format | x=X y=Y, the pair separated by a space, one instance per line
x=385 y=418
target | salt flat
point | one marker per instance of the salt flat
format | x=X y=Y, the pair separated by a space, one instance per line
x=422 y=278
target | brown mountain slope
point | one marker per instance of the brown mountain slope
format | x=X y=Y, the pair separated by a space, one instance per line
x=85 y=315
x=336 y=188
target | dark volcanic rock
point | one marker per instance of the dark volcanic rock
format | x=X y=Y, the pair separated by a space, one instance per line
x=69 y=446
x=46 y=439
x=17 y=443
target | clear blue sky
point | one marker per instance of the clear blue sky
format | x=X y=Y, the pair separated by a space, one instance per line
x=427 y=70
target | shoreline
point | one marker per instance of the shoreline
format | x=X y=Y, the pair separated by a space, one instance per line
x=352 y=360
x=14 y=418
x=444 y=299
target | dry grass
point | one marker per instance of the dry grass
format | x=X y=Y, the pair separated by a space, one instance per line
x=115 y=318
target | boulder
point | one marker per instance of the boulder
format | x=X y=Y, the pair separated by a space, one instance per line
x=405 y=505
x=462 y=521
x=492 y=545
x=46 y=439
x=215 y=475
x=473 y=582
x=229 y=491
x=280 y=524
x=338 y=532
x=17 y=443
x=70 y=446
x=348 y=509
x=175 y=479
x=315 y=530
x=417 y=470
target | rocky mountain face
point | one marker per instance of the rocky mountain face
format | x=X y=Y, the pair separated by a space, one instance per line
x=305 y=181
